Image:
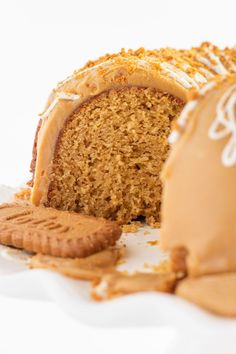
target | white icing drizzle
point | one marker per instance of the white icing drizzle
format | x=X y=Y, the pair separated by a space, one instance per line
x=179 y=75
x=81 y=72
x=185 y=66
x=59 y=96
x=181 y=121
x=173 y=137
x=206 y=88
x=183 y=118
x=200 y=78
x=143 y=63
x=73 y=97
x=61 y=83
x=233 y=66
x=206 y=72
x=231 y=63
x=214 y=63
x=185 y=113
x=94 y=68
x=197 y=76
x=224 y=124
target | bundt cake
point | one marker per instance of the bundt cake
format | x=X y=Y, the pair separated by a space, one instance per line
x=102 y=139
x=199 y=197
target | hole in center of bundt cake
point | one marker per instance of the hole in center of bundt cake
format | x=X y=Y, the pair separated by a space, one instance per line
x=110 y=153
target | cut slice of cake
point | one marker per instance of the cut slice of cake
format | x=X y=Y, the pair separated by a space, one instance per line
x=102 y=139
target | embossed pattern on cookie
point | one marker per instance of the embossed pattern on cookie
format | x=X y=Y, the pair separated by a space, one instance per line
x=56 y=233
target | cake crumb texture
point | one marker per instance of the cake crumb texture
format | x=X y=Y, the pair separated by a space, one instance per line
x=110 y=154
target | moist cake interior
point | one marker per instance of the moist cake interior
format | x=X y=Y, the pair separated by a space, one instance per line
x=110 y=153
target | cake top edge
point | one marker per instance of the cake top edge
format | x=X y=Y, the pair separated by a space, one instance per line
x=164 y=53
x=187 y=67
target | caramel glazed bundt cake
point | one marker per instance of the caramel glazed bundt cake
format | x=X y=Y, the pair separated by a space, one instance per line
x=199 y=198
x=102 y=139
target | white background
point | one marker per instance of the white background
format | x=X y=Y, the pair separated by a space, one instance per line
x=41 y=42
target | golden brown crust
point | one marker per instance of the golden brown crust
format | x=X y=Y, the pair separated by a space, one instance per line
x=52 y=232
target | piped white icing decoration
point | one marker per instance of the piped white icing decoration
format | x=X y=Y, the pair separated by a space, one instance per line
x=176 y=73
x=179 y=75
x=231 y=63
x=214 y=63
x=206 y=88
x=206 y=72
x=95 y=67
x=200 y=78
x=184 y=66
x=224 y=124
x=183 y=118
x=59 y=96
x=69 y=78
x=181 y=121
x=173 y=137
x=86 y=70
x=143 y=63
x=185 y=113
